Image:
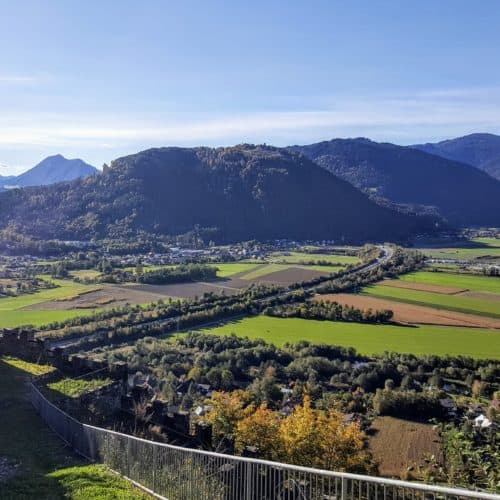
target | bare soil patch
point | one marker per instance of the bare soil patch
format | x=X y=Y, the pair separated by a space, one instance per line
x=107 y=296
x=290 y=275
x=191 y=290
x=400 y=447
x=413 y=314
x=423 y=287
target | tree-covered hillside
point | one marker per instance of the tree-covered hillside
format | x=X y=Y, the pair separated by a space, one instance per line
x=480 y=150
x=242 y=192
x=461 y=193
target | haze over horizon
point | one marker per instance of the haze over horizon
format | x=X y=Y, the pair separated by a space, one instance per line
x=94 y=82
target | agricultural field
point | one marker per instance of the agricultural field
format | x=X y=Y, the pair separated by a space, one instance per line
x=299 y=257
x=459 y=303
x=479 y=248
x=399 y=447
x=412 y=314
x=458 y=281
x=463 y=293
x=16 y=311
x=368 y=338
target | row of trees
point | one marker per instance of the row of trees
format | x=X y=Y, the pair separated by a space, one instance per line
x=331 y=311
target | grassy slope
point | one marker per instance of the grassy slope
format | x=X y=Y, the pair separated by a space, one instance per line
x=47 y=469
x=437 y=300
x=369 y=339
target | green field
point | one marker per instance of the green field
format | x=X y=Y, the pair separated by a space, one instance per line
x=266 y=269
x=479 y=247
x=12 y=312
x=229 y=269
x=457 y=303
x=369 y=339
x=297 y=257
x=471 y=282
x=46 y=468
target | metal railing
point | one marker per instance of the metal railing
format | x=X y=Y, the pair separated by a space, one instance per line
x=177 y=473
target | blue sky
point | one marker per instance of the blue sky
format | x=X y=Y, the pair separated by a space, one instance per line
x=100 y=79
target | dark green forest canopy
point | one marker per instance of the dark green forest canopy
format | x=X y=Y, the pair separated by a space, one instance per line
x=243 y=192
x=463 y=194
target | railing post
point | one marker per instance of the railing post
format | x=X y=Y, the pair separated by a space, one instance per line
x=248 y=480
x=154 y=468
x=343 y=491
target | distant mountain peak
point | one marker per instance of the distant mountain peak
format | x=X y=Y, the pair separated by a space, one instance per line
x=51 y=170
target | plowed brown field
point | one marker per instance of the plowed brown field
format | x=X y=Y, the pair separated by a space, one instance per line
x=400 y=446
x=413 y=314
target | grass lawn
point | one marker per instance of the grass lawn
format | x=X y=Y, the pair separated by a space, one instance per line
x=466 y=281
x=458 y=303
x=369 y=339
x=30 y=368
x=76 y=387
x=45 y=467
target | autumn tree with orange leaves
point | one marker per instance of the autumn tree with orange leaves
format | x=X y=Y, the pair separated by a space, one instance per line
x=308 y=437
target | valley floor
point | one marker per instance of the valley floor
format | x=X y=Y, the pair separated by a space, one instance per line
x=368 y=338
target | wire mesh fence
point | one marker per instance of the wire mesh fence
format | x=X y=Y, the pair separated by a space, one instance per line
x=177 y=473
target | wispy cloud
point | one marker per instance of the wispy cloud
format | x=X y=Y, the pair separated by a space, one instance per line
x=422 y=115
x=16 y=79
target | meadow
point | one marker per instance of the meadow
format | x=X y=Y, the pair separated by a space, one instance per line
x=369 y=339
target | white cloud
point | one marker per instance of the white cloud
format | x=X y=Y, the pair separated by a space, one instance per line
x=424 y=115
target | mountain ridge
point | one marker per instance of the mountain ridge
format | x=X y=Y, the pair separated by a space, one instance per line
x=482 y=150
x=461 y=193
x=241 y=192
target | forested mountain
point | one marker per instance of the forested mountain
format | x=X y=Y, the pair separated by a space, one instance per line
x=243 y=192
x=480 y=150
x=51 y=170
x=461 y=193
